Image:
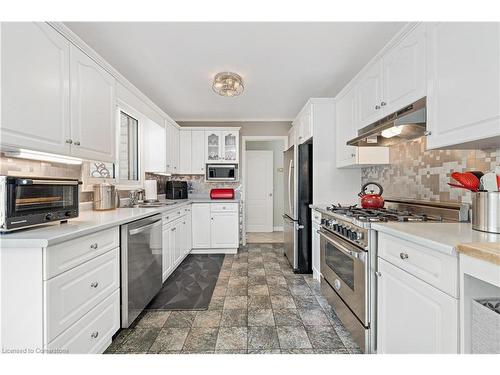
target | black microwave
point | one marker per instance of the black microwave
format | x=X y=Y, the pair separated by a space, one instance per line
x=222 y=172
x=30 y=201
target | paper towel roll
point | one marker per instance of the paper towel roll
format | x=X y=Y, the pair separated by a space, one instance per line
x=150 y=190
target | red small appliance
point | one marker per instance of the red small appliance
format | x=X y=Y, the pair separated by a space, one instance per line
x=222 y=194
x=371 y=200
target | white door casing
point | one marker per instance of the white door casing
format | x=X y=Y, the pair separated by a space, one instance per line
x=259 y=191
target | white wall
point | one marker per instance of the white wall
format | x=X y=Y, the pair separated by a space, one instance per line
x=277 y=147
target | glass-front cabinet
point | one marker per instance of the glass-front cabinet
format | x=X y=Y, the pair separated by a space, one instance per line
x=222 y=146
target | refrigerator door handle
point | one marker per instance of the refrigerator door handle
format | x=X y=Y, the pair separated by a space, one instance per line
x=290 y=177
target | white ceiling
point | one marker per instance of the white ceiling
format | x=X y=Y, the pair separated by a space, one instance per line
x=282 y=64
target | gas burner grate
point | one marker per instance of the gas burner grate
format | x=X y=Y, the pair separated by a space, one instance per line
x=378 y=215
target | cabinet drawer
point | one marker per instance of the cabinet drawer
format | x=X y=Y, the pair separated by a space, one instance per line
x=72 y=294
x=92 y=333
x=173 y=215
x=69 y=254
x=224 y=207
x=431 y=266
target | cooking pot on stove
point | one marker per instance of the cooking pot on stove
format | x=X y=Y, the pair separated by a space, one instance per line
x=371 y=200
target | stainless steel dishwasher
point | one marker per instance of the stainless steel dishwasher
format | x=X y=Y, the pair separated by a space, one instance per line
x=141 y=265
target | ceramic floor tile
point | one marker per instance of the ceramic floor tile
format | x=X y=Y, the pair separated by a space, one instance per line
x=282 y=302
x=139 y=340
x=169 y=339
x=324 y=337
x=259 y=302
x=287 y=317
x=180 y=319
x=201 y=339
x=234 y=318
x=293 y=337
x=232 y=338
x=209 y=318
x=262 y=338
x=235 y=302
x=263 y=317
x=313 y=317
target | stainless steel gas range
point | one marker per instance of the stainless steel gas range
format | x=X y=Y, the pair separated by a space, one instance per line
x=348 y=252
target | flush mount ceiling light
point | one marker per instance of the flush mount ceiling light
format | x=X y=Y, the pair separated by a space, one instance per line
x=228 y=84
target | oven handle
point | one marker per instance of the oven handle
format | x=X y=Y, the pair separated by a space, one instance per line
x=22 y=181
x=351 y=253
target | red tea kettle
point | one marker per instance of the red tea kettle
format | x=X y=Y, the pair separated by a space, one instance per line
x=371 y=200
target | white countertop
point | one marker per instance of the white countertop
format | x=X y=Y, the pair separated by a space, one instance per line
x=444 y=237
x=87 y=222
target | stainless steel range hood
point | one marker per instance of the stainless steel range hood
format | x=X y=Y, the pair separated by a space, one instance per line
x=403 y=125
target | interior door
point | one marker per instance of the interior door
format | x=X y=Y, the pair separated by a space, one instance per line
x=259 y=191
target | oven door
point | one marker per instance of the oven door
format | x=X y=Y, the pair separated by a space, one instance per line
x=36 y=201
x=343 y=265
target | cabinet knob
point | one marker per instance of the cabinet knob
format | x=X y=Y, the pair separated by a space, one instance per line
x=383 y=104
x=377 y=107
x=95 y=284
x=427 y=132
x=94 y=246
x=378 y=274
x=353 y=155
x=70 y=141
x=403 y=255
x=211 y=218
x=94 y=334
x=77 y=143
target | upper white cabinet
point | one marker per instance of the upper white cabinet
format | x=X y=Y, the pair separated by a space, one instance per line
x=394 y=80
x=172 y=133
x=154 y=136
x=191 y=152
x=222 y=146
x=303 y=124
x=35 y=87
x=404 y=71
x=37 y=102
x=93 y=109
x=463 y=79
x=345 y=129
x=369 y=95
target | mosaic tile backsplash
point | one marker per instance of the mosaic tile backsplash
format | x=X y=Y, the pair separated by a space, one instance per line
x=419 y=174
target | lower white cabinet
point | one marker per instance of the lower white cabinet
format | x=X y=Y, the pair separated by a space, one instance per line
x=176 y=239
x=215 y=225
x=412 y=316
x=316 y=226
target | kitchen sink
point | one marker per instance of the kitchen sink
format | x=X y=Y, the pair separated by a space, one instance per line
x=151 y=204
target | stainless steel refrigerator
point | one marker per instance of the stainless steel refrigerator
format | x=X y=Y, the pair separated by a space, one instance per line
x=297 y=214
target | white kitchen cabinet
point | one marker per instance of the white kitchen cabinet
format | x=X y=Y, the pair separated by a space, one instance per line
x=316 y=226
x=172 y=133
x=291 y=136
x=404 y=79
x=413 y=316
x=369 y=95
x=168 y=243
x=222 y=146
x=93 y=109
x=201 y=225
x=463 y=75
x=35 y=87
x=197 y=152
x=185 y=159
x=224 y=230
x=345 y=129
x=303 y=124
x=155 y=154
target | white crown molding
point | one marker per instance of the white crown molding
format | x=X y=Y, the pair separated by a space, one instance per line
x=236 y=120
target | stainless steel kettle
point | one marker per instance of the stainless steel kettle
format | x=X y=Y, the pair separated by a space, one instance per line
x=105 y=197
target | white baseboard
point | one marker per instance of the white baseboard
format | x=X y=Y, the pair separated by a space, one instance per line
x=214 y=251
x=278 y=229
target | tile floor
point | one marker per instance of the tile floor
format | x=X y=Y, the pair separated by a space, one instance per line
x=261 y=237
x=258 y=306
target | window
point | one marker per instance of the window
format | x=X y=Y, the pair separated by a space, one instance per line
x=128 y=148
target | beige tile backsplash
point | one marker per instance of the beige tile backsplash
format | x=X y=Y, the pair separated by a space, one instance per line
x=419 y=174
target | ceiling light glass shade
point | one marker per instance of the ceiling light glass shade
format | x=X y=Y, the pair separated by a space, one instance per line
x=228 y=84
x=392 y=132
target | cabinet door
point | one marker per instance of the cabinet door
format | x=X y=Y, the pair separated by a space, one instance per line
x=305 y=124
x=315 y=249
x=185 y=161
x=369 y=95
x=35 y=87
x=172 y=148
x=213 y=146
x=154 y=136
x=230 y=143
x=201 y=225
x=463 y=98
x=224 y=231
x=197 y=152
x=93 y=109
x=291 y=136
x=413 y=317
x=189 y=230
x=172 y=245
x=345 y=129
x=404 y=71
x=175 y=149
x=166 y=255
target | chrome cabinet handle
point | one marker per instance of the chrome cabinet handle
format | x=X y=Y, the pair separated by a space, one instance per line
x=403 y=255
x=94 y=334
x=77 y=143
x=69 y=141
x=377 y=107
x=427 y=132
x=378 y=274
x=383 y=104
x=95 y=284
x=178 y=212
x=94 y=246
x=353 y=155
